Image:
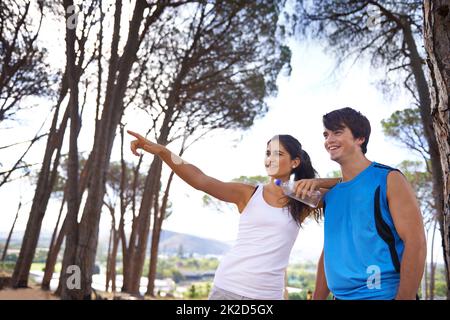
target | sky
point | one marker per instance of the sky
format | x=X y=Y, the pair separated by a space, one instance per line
x=314 y=88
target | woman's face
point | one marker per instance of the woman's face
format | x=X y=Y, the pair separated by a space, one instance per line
x=278 y=161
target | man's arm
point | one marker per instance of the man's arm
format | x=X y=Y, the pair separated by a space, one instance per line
x=321 y=291
x=303 y=186
x=409 y=225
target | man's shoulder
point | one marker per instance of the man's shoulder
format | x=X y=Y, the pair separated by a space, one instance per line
x=383 y=167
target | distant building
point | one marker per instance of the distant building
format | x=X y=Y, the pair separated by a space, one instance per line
x=198 y=276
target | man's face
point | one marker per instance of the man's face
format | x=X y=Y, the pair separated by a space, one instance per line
x=341 y=144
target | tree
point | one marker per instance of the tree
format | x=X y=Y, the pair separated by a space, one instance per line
x=24 y=72
x=59 y=191
x=405 y=126
x=211 y=74
x=436 y=32
x=119 y=186
x=8 y=239
x=84 y=245
x=73 y=201
x=421 y=181
x=389 y=33
x=52 y=154
x=334 y=174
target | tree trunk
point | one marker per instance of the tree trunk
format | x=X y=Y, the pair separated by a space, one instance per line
x=159 y=217
x=427 y=122
x=437 y=44
x=56 y=245
x=101 y=152
x=68 y=290
x=124 y=201
x=44 y=187
x=5 y=250
x=151 y=189
x=52 y=254
x=425 y=274
x=141 y=225
x=108 y=258
x=115 y=247
x=137 y=255
x=112 y=254
x=128 y=250
x=433 y=264
x=52 y=258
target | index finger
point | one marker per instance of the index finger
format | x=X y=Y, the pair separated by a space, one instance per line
x=136 y=135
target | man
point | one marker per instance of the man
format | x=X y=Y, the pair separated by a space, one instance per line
x=374 y=245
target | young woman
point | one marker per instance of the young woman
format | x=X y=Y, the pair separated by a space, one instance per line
x=269 y=223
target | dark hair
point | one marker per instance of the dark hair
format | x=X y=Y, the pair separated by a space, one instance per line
x=298 y=210
x=358 y=124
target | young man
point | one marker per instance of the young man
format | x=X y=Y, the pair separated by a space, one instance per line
x=374 y=246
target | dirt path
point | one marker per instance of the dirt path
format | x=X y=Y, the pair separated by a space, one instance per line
x=26 y=294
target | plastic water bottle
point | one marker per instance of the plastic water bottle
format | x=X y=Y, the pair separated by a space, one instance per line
x=311 y=200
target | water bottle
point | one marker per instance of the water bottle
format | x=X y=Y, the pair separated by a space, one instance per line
x=311 y=200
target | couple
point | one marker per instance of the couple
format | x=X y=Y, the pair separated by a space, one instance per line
x=374 y=246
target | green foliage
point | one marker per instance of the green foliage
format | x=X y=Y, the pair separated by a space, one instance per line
x=253 y=180
x=440 y=289
x=7 y=266
x=421 y=181
x=174 y=266
x=440 y=285
x=11 y=257
x=297 y=296
x=40 y=266
x=406 y=127
x=24 y=71
x=198 y=290
x=301 y=276
x=334 y=174
x=360 y=29
x=221 y=59
x=219 y=206
x=40 y=256
x=180 y=252
x=192 y=292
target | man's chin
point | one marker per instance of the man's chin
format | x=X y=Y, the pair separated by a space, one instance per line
x=334 y=158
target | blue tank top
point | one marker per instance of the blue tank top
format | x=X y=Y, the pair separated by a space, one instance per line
x=362 y=249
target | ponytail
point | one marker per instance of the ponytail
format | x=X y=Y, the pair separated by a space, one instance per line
x=305 y=170
x=298 y=210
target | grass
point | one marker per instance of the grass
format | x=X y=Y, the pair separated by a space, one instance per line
x=40 y=266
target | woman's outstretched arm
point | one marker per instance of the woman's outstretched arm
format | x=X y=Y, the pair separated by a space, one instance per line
x=237 y=193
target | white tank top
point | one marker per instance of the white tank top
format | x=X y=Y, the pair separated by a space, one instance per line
x=255 y=266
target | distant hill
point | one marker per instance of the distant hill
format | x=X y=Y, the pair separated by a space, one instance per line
x=17 y=236
x=170 y=243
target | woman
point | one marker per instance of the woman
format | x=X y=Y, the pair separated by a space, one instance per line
x=269 y=222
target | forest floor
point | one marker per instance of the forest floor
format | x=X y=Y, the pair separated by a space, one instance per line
x=34 y=292
x=26 y=294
